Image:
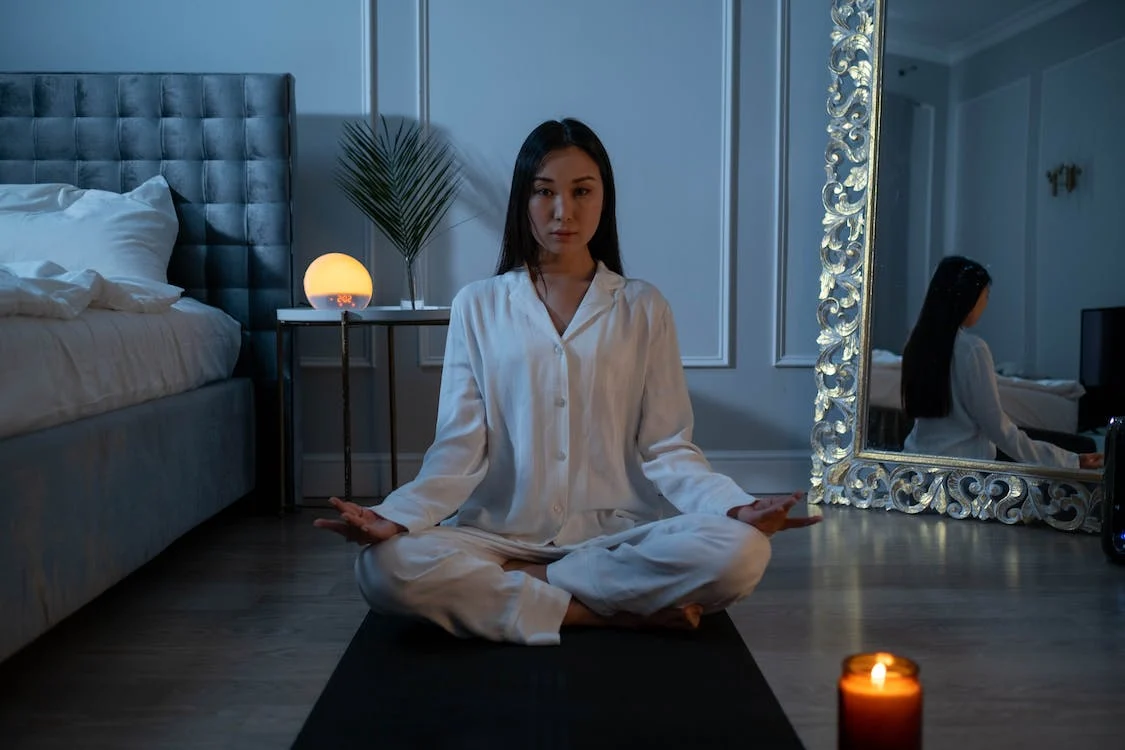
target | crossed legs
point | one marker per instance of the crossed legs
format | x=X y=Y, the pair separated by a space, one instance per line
x=578 y=614
x=472 y=583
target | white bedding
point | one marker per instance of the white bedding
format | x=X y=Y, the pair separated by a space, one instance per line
x=1042 y=404
x=43 y=289
x=55 y=370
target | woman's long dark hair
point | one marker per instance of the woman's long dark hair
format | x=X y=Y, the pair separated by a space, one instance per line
x=519 y=247
x=927 y=358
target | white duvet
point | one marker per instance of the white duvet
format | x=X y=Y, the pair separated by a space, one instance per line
x=43 y=289
x=75 y=344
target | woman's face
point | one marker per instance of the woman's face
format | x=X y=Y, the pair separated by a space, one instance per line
x=978 y=309
x=566 y=202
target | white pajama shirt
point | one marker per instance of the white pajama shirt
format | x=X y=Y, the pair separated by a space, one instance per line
x=553 y=442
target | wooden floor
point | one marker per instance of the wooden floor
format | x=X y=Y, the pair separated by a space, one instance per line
x=226 y=640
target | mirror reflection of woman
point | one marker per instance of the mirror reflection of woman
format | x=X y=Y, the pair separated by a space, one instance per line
x=949 y=383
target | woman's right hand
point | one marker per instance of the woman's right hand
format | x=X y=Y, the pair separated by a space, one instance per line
x=359 y=524
x=1090 y=460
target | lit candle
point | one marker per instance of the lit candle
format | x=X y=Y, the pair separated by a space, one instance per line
x=880 y=703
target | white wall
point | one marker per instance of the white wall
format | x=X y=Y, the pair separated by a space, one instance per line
x=1048 y=96
x=988 y=208
x=926 y=84
x=1081 y=261
x=713 y=113
x=655 y=81
x=1051 y=255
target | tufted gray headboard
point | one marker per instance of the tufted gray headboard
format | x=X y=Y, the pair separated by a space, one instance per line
x=224 y=143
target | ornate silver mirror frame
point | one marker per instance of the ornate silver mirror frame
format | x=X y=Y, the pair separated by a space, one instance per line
x=843 y=472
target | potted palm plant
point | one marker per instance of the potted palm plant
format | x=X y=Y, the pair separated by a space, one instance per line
x=404 y=179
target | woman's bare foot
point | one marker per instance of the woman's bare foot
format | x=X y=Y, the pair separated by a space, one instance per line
x=579 y=615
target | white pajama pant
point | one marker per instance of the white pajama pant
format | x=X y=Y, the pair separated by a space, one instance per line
x=452 y=576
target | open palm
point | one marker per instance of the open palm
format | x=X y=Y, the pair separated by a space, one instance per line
x=359 y=524
x=770 y=513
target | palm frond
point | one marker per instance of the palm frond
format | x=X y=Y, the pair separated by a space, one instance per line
x=403 y=179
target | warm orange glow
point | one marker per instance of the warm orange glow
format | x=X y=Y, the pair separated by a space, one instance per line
x=880 y=703
x=336 y=281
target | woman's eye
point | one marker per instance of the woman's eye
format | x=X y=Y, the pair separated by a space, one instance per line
x=582 y=191
x=543 y=191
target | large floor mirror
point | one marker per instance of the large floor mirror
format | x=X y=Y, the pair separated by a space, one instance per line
x=972 y=298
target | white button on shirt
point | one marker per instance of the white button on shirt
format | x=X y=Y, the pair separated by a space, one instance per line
x=623 y=447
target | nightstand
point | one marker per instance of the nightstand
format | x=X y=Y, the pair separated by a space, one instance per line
x=345 y=320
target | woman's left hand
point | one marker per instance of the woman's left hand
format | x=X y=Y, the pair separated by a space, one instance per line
x=1091 y=460
x=770 y=513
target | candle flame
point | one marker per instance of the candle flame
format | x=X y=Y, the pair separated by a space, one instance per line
x=879 y=674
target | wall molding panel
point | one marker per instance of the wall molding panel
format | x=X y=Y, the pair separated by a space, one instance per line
x=368 y=107
x=781 y=356
x=430 y=343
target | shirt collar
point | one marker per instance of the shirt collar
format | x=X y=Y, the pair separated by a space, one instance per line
x=599 y=297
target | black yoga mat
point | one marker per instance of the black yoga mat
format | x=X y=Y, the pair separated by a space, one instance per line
x=406 y=684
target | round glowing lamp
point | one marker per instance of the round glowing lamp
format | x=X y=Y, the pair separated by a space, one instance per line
x=336 y=281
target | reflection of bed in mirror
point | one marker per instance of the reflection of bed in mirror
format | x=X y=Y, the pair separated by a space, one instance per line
x=1044 y=408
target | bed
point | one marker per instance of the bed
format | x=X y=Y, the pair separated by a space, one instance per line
x=137 y=393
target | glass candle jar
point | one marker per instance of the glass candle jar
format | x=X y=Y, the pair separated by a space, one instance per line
x=880 y=703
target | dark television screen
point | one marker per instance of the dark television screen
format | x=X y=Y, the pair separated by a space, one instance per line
x=1103 y=348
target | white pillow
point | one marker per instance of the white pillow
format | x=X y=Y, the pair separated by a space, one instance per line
x=115 y=234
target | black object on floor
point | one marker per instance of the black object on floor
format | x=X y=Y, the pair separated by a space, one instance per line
x=406 y=684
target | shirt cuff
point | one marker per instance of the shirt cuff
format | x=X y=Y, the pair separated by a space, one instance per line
x=735 y=499
x=404 y=512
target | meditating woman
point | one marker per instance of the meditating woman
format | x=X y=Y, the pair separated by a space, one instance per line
x=949 y=383
x=563 y=487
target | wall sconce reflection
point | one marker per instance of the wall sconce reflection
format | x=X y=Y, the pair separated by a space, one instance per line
x=1067 y=175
